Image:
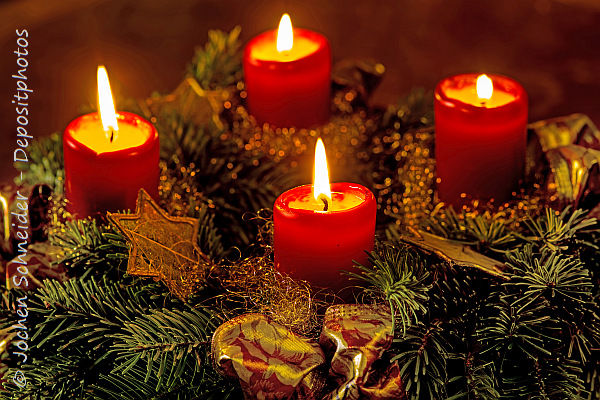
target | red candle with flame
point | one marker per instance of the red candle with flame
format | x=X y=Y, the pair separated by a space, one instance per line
x=480 y=137
x=109 y=156
x=321 y=228
x=287 y=75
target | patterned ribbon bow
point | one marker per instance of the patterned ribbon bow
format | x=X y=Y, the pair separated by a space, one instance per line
x=272 y=362
x=570 y=165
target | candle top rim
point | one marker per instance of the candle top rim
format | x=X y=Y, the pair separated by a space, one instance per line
x=365 y=195
x=506 y=85
x=70 y=139
x=270 y=37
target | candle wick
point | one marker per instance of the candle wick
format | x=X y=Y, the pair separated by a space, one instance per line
x=483 y=104
x=323 y=198
x=112 y=135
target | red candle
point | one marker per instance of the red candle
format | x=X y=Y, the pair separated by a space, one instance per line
x=319 y=234
x=288 y=77
x=480 y=137
x=109 y=157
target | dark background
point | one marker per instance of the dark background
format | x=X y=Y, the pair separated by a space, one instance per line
x=551 y=46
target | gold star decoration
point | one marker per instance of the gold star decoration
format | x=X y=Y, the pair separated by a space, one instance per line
x=190 y=101
x=162 y=246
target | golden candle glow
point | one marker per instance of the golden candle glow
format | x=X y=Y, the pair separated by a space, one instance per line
x=485 y=87
x=285 y=34
x=106 y=105
x=323 y=199
x=321 y=186
x=5 y=217
x=90 y=128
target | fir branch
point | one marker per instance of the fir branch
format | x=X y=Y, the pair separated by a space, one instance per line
x=46 y=163
x=592 y=379
x=209 y=236
x=479 y=380
x=184 y=143
x=504 y=327
x=205 y=384
x=580 y=333
x=112 y=327
x=415 y=110
x=85 y=244
x=482 y=231
x=171 y=337
x=85 y=311
x=556 y=379
x=422 y=354
x=549 y=274
x=218 y=64
x=557 y=231
x=221 y=175
x=400 y=278
x=53 y=377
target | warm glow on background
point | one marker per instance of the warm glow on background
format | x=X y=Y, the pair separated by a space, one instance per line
x=285 y=34
x=105 y=102
x=485 y=88
x=321 y=177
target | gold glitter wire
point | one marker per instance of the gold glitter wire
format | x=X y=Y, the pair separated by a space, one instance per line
x=264 y=218
x=175 y=188
x=58 y=214
x=265 y=290
x=408 y=194
x=344 y=136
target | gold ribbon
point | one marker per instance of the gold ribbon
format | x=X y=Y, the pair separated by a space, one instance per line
x=571 y=171
x=272 y=362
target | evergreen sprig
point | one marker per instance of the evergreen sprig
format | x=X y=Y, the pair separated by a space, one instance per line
x=549 y=274
x=422 y=354
x=56 y=377
x=504 y=327
x=46 y=163
x=231 y=180
x=177 y=340
x=400 y=278
x=218 y=63
x=106 y=326
x=479 y=380
x=482 y=231
x=558 y=231
x=556 y=379
x=90 y=248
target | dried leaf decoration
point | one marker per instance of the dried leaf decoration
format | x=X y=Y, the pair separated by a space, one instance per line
x=162 y=246
x=455 y=253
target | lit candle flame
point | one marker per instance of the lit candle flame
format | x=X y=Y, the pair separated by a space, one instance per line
x=285 y=34
x=485 y=88
x=106 y=105
x=321 y=188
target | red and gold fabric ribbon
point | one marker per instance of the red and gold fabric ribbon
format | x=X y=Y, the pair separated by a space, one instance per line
x=569 y=169
x=272 y=362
